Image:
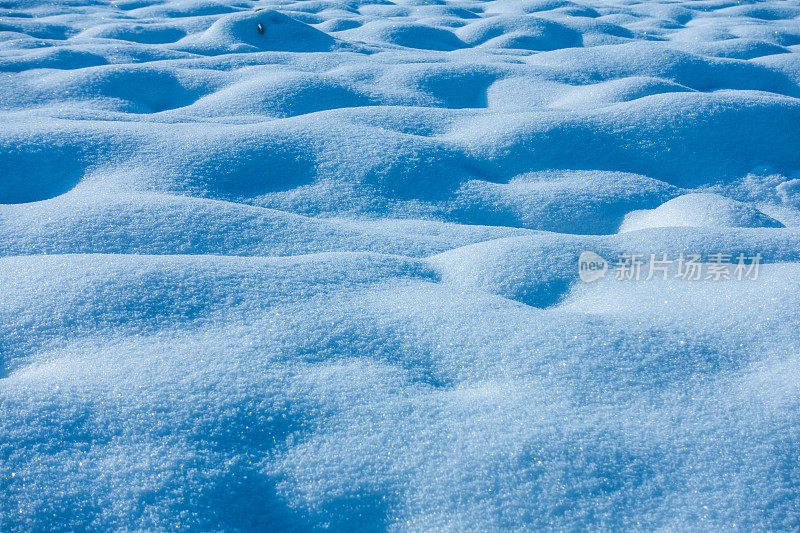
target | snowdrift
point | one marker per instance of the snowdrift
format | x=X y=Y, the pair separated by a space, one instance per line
x=314 y=265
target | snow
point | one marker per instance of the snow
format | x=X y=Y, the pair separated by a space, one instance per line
x=313 y=264
x=699 y=210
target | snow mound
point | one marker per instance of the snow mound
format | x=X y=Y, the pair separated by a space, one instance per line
x=521 y=32
x=145 y=34
x=564 y=201
x=406 y=34
x=699 y=210
x=256 y=31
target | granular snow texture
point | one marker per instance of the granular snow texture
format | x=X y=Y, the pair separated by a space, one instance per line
x=313 y=265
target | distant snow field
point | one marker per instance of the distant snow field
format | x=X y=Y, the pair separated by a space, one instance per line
x=314 y=265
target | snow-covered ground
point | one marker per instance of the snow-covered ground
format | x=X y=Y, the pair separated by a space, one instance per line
x=274 y=265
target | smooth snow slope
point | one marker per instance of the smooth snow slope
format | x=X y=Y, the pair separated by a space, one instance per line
x=273 y=265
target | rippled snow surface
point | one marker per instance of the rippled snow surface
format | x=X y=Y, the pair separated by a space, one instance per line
x=294 y=266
